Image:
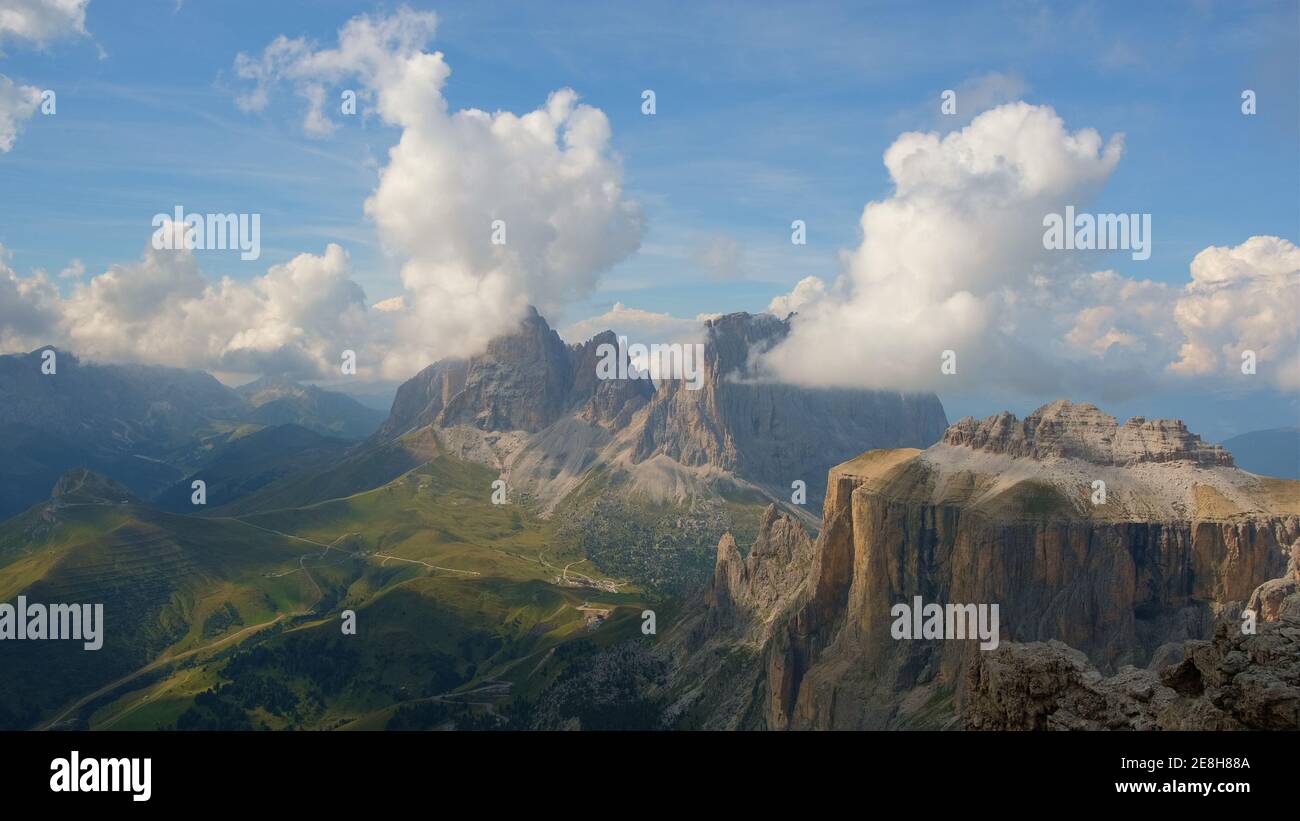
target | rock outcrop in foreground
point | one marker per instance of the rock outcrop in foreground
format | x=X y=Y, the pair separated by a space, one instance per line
x=1231 y=682
x=1235 y=680
x=1009 y=513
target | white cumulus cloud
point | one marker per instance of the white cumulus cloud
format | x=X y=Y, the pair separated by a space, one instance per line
x=1244 y=298
x=942 y=256
x=17 y=104
x=953 y=261
x=806 y=292
x=28 y=308
x=42 y=21
x=297 y=319
x=37 y=21
x=546 y=185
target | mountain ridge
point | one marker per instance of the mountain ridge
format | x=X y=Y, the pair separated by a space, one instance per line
x=146 y=426
x=752 y=431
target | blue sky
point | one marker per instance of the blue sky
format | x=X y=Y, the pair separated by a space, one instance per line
x=764 y=116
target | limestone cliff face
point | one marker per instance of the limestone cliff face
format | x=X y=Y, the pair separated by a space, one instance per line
x=773 y=433
x=750 y=592
x=1277 y=597
x=721 y=645
x=1238 y=679
x=1012 y=519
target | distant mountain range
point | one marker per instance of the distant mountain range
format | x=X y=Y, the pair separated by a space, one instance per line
x=145 y=426
x=281 y=401
x=246 y=464
x=1268 y=452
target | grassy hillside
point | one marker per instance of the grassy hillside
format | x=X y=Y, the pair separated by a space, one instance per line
x=367 y=466
x=235 y=621
x=246 y=464
x=160 y=578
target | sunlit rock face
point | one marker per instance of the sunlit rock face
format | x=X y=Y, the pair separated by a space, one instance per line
x=1008 y=512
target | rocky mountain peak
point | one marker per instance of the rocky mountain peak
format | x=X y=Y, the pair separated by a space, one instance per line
x=1064 y=429
x=530 y=382
x=525 y=380
x=752 y=588
x=733 y=339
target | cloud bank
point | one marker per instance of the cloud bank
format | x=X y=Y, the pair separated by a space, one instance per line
x=951 y=260
x=296 y=319
x=490 y=213
x=954 y=261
